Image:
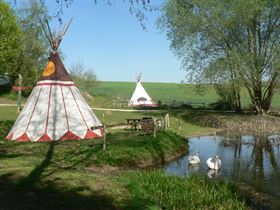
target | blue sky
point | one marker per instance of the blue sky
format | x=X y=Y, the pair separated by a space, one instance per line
x=111 y=41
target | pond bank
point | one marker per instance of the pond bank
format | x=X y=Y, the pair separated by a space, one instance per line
x=61 y=169
x=252 y=167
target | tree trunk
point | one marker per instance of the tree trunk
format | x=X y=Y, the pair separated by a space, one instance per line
x=238 y=107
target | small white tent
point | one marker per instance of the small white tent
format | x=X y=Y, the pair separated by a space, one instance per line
x=55 y=110
x=140 y=97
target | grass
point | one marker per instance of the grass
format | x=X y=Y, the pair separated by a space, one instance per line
x=123 y=150
x=105 y=93
x=166 y=92
x=73 y=175
x=80 y=175
x=155 y=190
x=181 y=121
x=130 y=190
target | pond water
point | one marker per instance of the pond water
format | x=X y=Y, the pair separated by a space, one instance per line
x=254 y=163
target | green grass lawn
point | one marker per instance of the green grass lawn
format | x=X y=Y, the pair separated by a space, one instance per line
x=180 y=121
x=80 y=175
x=158 y=191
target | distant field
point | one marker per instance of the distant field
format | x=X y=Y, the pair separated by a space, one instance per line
x=165 y=92
x=106 y=92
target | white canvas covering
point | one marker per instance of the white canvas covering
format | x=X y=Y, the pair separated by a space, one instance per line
x=55 y=110
x=140 y=97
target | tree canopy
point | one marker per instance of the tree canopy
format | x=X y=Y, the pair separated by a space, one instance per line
x=136 y=7
x=34 y=44
x=235 y=41
x=9 y=41
x=23 y=46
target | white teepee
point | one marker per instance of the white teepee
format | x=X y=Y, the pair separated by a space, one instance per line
x=140 y=97
x=55 y=110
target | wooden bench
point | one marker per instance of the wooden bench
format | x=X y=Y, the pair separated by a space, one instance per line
x=133 y=123
x=147 y=126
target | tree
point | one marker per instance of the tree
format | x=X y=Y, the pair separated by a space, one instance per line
x=136 y=7
x=9 y=41
x=242 y=33
x=85 y=78
x=34 y=44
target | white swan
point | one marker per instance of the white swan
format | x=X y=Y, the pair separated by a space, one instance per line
x=214 y=162
x=194 y=159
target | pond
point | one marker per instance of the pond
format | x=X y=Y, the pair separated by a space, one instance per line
x=246 y=161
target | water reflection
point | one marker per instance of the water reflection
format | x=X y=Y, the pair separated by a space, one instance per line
x=211 y=173
x=245 y=159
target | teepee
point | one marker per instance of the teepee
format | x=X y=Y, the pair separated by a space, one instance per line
x=55 y=110
x=140 y=97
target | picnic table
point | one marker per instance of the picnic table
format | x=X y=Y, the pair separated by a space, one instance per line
x=133 y=122
x=147 y=125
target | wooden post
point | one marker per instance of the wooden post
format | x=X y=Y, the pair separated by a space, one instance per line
x=167 y=120
x=104 y=131
x=132 y=128
x=104 y=137
x=155 y=128
x=19 y=92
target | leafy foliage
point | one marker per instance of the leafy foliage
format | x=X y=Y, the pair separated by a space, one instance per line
x=228 y=40
x=34 y=44
x=136 y=7
x=9 y=41
x=85 y=78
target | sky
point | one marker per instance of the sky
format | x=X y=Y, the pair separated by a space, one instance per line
x=111 y=42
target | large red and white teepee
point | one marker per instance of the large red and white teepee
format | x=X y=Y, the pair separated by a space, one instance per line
x=55 y=110
x=140 y=97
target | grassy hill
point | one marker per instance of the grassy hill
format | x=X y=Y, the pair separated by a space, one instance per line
x=106 y=92
x=168 y=93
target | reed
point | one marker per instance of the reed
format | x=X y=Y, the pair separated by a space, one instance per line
x=159 y=191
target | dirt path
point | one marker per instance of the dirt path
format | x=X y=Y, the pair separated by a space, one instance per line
x=105 y=109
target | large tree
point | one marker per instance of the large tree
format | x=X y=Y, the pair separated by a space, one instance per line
x=241 y=36
x=34 y=44
x=9 y=41
x=136 y=7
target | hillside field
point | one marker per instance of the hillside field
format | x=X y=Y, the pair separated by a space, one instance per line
x=117 y=94
x=106 y=93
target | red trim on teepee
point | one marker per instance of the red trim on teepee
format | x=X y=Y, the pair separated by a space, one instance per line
x=60 y=84
x=9 y=137
x=23 y=138
x=90 y=135
x=49 y=103
x=33 y=109
x=64 y=108
x=45 y=138
x=69 y=136
x=78 y=107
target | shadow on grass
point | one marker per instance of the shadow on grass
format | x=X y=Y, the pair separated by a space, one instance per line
x=30 y=192
x=34 y=177
x=45 y=186
x=16 y=196
x=5 y=126
x=201 y=118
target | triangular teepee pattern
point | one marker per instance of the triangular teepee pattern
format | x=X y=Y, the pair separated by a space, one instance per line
x=55 y=110
x=140 y=97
